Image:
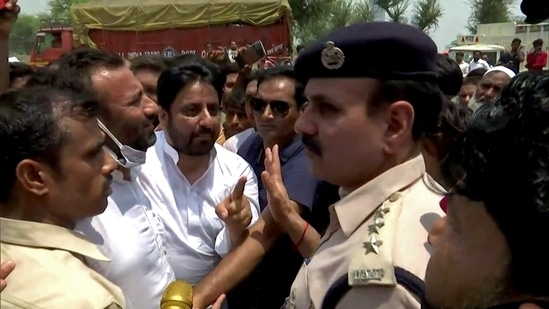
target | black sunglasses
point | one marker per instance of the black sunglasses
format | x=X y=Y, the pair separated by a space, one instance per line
x=278 y=108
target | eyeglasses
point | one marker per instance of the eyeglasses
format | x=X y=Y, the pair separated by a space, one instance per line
x=278 y=108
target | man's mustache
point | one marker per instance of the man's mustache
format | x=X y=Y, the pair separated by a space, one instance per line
x=311 y=144
x=203 y=130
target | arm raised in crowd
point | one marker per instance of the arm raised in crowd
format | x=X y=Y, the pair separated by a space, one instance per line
x=8 y=16
x=262 y=236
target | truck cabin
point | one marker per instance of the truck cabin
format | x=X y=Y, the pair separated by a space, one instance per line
x=51 y=42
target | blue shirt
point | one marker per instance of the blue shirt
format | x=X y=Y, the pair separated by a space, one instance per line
x=298 y=179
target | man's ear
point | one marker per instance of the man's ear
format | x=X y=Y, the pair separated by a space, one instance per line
x=33 y=177
x=400 y=119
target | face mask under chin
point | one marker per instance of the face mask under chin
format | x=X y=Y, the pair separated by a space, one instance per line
x=130 y=157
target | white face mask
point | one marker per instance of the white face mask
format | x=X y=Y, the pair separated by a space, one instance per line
x=131 y=157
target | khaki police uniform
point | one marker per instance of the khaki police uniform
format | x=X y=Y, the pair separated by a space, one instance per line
x=375 y=251
x=380 y=226
x=50 y=272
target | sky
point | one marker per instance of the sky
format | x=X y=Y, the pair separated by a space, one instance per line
x=451 y=24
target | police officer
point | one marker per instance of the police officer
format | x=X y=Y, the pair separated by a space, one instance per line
x=362 y=129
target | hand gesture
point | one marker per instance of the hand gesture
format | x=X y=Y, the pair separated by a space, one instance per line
x=5 y=269
x=235 y=210
x=8 y=16
x=277 y=196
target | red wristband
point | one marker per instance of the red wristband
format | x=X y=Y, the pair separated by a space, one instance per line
x=296 y=246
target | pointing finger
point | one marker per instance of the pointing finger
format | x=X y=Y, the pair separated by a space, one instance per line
x=238 y=191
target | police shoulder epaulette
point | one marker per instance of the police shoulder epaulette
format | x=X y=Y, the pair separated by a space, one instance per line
x=372 y=264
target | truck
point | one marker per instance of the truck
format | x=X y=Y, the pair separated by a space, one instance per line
x=165 y=27
x=492 y=39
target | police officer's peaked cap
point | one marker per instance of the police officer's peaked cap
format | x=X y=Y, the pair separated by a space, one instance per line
x=381 y=50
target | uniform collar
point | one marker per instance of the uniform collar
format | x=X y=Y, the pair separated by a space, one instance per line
x=47 y=236
x=358 y=205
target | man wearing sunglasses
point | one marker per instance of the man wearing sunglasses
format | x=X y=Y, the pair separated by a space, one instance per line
x=276 y=107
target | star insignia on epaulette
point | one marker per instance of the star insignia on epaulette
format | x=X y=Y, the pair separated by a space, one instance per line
x=381 y=211
x=373 y=245
x=374 y=228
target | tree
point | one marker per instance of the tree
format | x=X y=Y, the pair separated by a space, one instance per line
x=22 y=34
x=60 y=9
x=488 y=11
x=395 y=9
x=304 y=11
x=363 y=11
x=426 y=14
x=325 y=15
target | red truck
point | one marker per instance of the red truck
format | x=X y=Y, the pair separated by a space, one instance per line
x=166 y=27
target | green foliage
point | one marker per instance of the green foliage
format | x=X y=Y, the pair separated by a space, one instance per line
x=22 y=37
x=426 y=14
x=395 y=9
x=60 y=9
x=488 y=11
x=314 y=19
x=22 y=34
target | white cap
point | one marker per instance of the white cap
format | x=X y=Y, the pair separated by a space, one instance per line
x=13 y=59
x=503 y=69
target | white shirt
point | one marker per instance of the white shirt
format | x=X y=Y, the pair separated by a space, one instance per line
x=464 y=66
x=478 y=65
x=130 y=234
x=196 y=238
x=234 y=142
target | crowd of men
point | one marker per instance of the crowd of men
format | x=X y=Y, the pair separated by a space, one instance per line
x=332 y=183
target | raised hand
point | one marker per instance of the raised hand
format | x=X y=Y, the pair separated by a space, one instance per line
x=8 y=17
x=235 y=210
x=277 y=196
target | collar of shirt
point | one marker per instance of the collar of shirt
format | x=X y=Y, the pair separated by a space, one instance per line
x=359 y=204
x=41 y=235
x=172 y=153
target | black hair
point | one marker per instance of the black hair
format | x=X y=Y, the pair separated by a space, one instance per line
x=459 y=53
x=18 y=70
x=452 y=123
x=255 y=75
x=516 y=40
x=184 y=59
x=285 y=71
x=155 y=64
x=299 y=48
x=477 y=72
x=174 y=79
x=471 y=80
x=449 y=74
x=230 y=68
x=31 y=127
x=503 y=161
x=75 y=68
x=424 y=96
x=236 y=99
x=43 y=76
x=537 y=42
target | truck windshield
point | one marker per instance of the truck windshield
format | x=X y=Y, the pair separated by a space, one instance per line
x=40 y=40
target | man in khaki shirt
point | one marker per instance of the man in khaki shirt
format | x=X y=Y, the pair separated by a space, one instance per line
x=54 y=172
x=362 y=130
